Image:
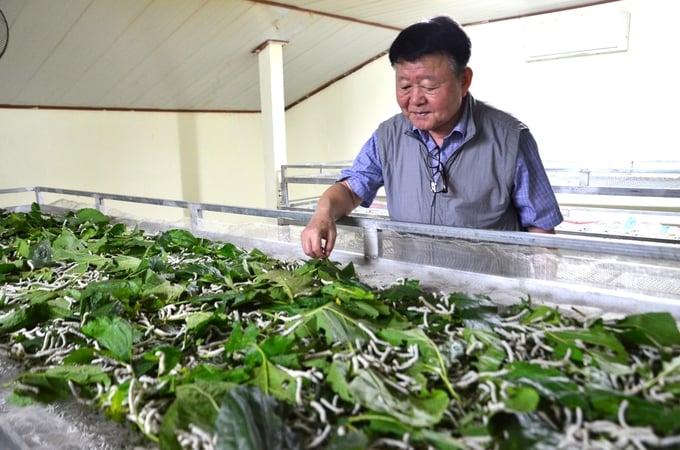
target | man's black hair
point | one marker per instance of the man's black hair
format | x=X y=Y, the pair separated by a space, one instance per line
x=438 y=35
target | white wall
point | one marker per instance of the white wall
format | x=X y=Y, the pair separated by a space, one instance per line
x=333 y=124
x=614 y=106
x=179 y=156
x=590 y=108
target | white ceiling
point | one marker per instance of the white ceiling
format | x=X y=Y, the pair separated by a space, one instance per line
x=198 y=54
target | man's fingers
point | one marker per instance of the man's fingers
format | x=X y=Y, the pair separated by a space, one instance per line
x=329 y=245
x=314 y=246
x=318 y=238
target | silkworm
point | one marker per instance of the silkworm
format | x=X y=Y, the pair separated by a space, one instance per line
x=131 y=399
x=26 y=387
x=371 y=335
x=622 y=413
x=392 y=443
x=405 y=379
x=413 y=356
x=207 y=441
x=508 y=351
x=401 y=389
x=467 y=379
x=507 y=335
x=321 y=437
x=473 y=346
x=149 y=418
x=293 y=373
x=209 y=354
x=427 y=304
x=161 y=361
x=290 y=329
x=298 y=391
x=319 y=410
x=17 y=350
x=331 y=406
x=319 y=354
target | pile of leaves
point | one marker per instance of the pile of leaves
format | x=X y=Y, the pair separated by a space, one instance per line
x=202 y=345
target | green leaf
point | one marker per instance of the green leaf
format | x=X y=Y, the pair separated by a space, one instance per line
x=654 y=328
x=81 y=257
x=291 y=283
x=407 y=290
x=126 y=263
x=346 y=291
x=542 y=313
x=23 y=248
x=640 y=411
x=117 y=407
x=40 y=254
x=475 y=312
x=67 y=241
x=522 y=432
x=239 y=339
x=521 y=399
x=251 y=420
x=36 y=296
x=353 y=440
x=115 y=334
x=491 y=354
x=441 y=440
x=108 y=296
x=27 y=317
x=212 y=373
x=12 y=267
x=279 y=350
x=274 y=381
x=19 y=399
x=91 y=215
x=177 y=240
x=83 y=355
x=604 y=345
x=430 y=359
x=163 y=290
x=231 y=251
x=195 y=405
x=52 y=383
x=425 y=411
x=334 y=323
x=337 y=378
x=165 y=357
x=370 y=309
x=198 y=319
x=549 y=383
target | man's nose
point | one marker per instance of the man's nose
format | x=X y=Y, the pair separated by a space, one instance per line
x=417 y=96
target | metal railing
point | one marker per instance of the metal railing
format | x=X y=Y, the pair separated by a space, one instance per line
x=371 y=227
x=657 y=179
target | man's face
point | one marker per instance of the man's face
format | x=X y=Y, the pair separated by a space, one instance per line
x=430 y=94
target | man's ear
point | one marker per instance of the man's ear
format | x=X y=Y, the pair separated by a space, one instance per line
x=466 y=80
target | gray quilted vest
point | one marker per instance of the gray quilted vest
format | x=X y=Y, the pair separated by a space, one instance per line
x=480 y=173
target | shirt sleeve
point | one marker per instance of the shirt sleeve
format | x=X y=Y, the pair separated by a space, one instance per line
x=365 y=175
x=533 y=195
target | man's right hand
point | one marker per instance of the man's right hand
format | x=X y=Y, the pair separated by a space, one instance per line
x=318 y=237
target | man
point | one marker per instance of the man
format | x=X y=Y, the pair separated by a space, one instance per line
x=448 y=159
